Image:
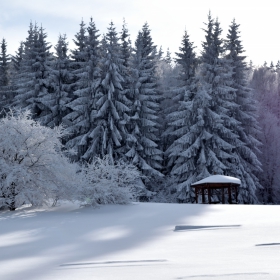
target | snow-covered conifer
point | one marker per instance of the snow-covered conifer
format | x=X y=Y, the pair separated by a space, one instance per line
x=5 y=89
x=59 y=88
x=109 y=133
x=177 y=114
x=32 y=78
x=143 y=126
x=247 y=165
x=209 y=141
x=168 y=58
x=125 y=45
x=84 y=108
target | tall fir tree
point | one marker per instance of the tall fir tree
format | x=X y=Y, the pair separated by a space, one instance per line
x=17 y=59
x=84 y=108
x=25 y=75
x=42 y=69
x=33 y=74
x=248 y=166
x=143 y=126
x=178 y=114
x=209 y=142
x=168 y=58
x=109 y=134
x=78 y=60
x=59 y=84
x=5 y=89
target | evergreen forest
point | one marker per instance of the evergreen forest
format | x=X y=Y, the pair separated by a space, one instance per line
x=175 y=118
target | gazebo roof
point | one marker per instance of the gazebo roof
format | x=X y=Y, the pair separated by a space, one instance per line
x=214 y=179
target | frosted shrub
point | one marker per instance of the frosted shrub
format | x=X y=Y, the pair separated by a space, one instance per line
x=33 y=170
x=108 y=182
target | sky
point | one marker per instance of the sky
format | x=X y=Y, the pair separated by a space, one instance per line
x=259 y=21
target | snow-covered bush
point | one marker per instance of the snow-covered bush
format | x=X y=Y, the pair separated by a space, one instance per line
x=108 y=182
x=33 y=170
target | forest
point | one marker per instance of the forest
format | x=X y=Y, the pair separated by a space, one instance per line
x=126 y=112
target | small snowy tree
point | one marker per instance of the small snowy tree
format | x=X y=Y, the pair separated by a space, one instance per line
x=33 y=169
x=108 y=182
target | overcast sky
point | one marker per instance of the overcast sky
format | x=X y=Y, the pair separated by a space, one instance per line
x=259 y=21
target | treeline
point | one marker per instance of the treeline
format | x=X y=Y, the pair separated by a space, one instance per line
x=177 y=122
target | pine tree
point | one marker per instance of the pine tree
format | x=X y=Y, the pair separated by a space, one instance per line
x=125 y=45
x=77 y=65
x=168 y=58
x=160 y=53
x=17 y=59
x=109 y=134
x=84 y=108
x=25 y=75
x=32 y=77
x=5 y=89
x=209 y=141
x=248 y=165
x=178 y=114
x=143 y=125
x=42 y=87
x=59 y=81
x=125 y=49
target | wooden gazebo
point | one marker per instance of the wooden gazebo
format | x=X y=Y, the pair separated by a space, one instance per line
x=223 y=185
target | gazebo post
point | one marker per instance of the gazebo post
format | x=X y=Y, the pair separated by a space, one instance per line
x=209 y=195
x=196 y=199
x=236 y=195
x=203 y=197
x=229 y=195
x=223 y=195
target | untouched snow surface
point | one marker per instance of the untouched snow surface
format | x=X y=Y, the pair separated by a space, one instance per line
x=218 y=179
x=139 y=242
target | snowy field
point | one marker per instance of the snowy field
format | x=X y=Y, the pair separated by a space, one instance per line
x=139 y=242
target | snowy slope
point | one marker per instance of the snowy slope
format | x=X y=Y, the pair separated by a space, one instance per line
x=139 y=241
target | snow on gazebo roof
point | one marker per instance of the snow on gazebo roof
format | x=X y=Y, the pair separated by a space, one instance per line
x=218 y=179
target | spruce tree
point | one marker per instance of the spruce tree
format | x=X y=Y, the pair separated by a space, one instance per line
x=59 y=83
x=5 y=89
x=78 y=60
x=209 y=141
x=42 y=88
x=143 y=126
x=247 y=165
x=109 y=134
x=32 y=77
x=25 y=75
x=178 y=114
x=168 y=58
x=84 y=108
x=16 y=61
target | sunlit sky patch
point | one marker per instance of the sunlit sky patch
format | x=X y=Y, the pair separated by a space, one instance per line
x=167 y=19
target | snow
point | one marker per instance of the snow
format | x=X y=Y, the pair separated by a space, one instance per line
x=218 y=179
x=139 y=241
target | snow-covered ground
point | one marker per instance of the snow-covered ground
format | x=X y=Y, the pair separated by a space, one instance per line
x=139 y=242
